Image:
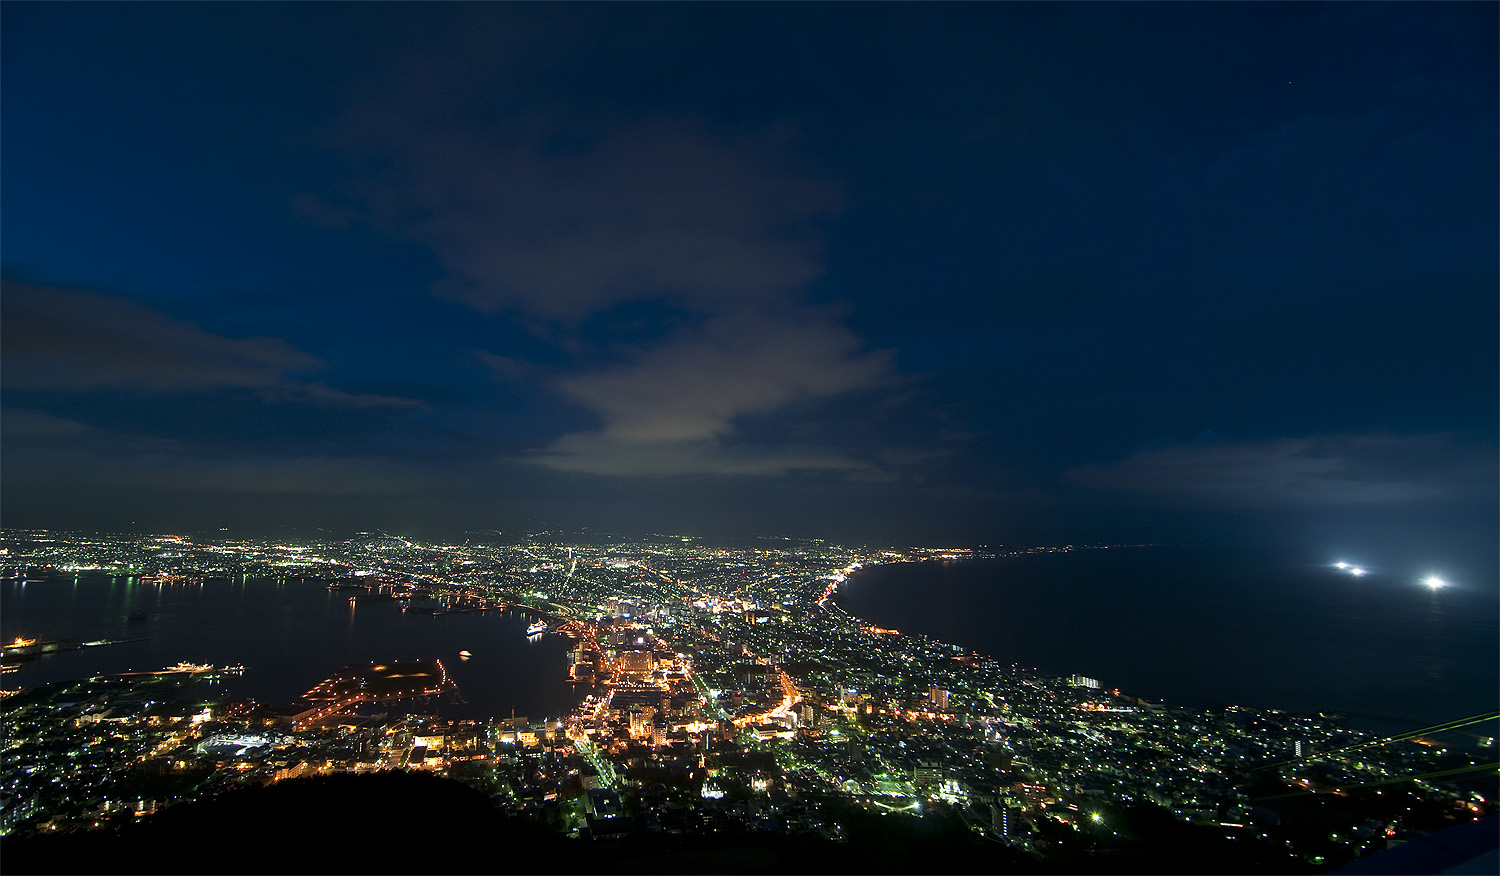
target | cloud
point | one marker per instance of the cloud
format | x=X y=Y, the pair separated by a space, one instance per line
x=43 y=450
x=61 y=339
x=509 y=368
x=303 y=475
x=560 y=228
x=1320 y=470
x=694 y=387
x=599 y=454
x=71 y=339
x=24 y=425
x=322 y=393
x=651 y=211
x=106 y=460
x=672 y=409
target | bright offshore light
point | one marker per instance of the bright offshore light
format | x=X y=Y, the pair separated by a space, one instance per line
x=1434 y=582
x=1356 y=571
x=1341 y=565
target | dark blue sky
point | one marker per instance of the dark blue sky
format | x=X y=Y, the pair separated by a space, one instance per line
x=887 y=272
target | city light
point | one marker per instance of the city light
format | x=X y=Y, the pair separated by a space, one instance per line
x=733 y=676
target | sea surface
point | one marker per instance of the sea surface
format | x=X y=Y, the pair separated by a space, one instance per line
x=289 y=634
x=1203 y=627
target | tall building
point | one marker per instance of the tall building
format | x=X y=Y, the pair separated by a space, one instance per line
x=1000 y=819
x=939 y=699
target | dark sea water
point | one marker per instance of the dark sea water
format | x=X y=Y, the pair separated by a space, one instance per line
x=289 y=634
x=1209 y=627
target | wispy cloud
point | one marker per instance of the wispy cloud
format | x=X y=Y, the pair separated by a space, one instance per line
x=46 y=450
x=299 y=475
x=597 y=453
x=25 y=425
x=717 y=230
x=652 y=211
x=1314 y=470
x=693 y=387
x=68 y=340
x=673 y=409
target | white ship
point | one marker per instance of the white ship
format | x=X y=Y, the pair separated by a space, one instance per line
x=538 y=627
x=185 y=666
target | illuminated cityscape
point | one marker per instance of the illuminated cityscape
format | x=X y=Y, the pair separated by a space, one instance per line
x=717 y=689
x=749 y=437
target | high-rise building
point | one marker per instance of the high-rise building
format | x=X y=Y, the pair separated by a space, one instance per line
x=1000 y=819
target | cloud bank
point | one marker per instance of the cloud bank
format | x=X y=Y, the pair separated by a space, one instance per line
x=716 y=230
x=1319 y=470
x=73 y=340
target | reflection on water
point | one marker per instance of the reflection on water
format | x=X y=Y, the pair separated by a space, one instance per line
x=290 y=633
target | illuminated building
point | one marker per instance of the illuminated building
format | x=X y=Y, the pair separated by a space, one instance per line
x=636 y=664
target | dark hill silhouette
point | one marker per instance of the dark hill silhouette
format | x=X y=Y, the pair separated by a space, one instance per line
x=400 y=822
x=389 y=822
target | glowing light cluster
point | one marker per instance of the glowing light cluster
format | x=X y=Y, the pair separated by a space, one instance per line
x=1434 y=582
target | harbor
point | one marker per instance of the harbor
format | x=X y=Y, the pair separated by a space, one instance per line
x=24 y=648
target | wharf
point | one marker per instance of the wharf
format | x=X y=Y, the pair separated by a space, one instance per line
x=30 y=649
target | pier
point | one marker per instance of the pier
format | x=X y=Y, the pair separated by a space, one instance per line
x=30 y=649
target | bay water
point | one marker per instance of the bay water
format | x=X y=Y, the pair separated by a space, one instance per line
x=290 y=634
x=1209 y=626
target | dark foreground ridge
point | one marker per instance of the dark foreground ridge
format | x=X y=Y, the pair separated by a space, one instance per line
x=403 y=822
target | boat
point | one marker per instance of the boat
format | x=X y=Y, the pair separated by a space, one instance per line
x=538 y=627
x=465 y=654
x=185 y=666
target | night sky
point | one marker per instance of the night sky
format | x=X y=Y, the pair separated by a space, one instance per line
x=885 y=273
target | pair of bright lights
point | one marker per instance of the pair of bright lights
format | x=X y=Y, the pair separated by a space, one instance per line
x=1432 y=581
